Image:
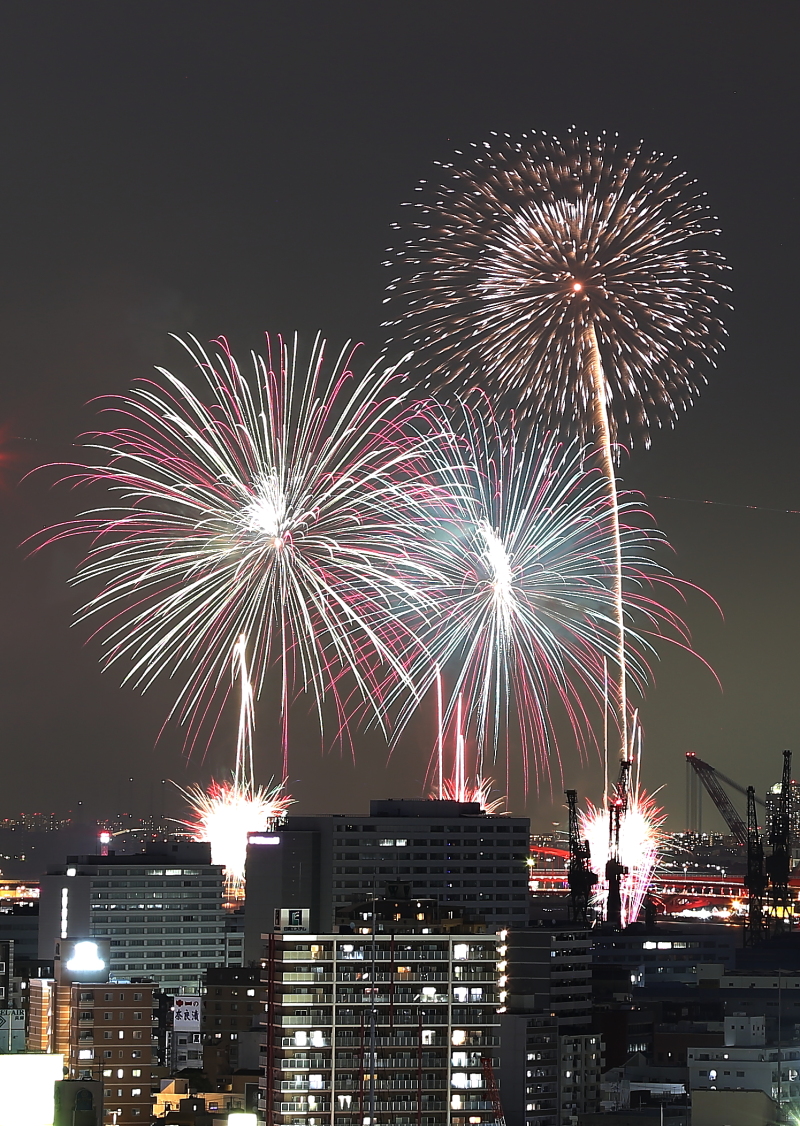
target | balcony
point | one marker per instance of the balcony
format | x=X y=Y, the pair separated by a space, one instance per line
x=316 y=998
x=302 y=1108
x=302 y=1085
x=314 y=1017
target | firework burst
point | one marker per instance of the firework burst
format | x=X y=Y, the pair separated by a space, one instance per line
x=224 y=814
x=528 y=248
x=274 y=505
x=569 y=279
x=524 y=596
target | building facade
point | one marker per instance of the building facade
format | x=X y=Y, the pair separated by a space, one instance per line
x=473 y=864
x=231 y=1020
x=395 y=1030
x=160 y=910
x=551 y=1060
x=105 y=1033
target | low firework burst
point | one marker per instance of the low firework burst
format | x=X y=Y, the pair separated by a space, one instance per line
x=459 y=786
x=274 y=505
x=640 y=841
x=224 y=814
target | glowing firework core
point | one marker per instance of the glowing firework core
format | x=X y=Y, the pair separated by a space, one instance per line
x=499 y=564
x=639 y=843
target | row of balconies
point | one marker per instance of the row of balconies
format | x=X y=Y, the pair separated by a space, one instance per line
x=381 y=955
x=355 y=1019
x=407 y=1106
x=408 y=1084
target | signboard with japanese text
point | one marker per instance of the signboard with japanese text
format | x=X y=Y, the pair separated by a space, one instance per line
x=186 y=1013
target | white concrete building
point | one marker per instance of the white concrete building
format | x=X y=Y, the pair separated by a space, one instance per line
x=746 y=1063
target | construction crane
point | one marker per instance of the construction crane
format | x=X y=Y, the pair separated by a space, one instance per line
x=712 y=779
x=615 y=870
x=492 y=1090
x=780 y=838
x=756 y=879
x=580 y=877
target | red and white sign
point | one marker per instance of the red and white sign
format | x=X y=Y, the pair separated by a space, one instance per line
x=186 y=1013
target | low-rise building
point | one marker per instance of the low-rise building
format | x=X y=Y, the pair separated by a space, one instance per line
x=746 y=1062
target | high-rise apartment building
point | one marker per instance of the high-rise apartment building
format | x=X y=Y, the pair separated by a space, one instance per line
x=473 y=863
x=160 y=910
x=551 y=1060
x=391 y=1029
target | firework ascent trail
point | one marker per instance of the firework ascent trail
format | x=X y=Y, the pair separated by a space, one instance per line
x=569 y=280
x=226 y=812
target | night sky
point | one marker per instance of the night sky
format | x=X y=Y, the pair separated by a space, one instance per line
x=233 y=167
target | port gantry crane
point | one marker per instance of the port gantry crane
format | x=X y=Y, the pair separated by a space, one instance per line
x=580 y=877
x=756 y=879
x=712 y=779
x=615 y=870
x=767 y=879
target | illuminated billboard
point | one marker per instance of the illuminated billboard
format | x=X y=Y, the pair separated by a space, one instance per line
x=27 y=1088
x=82 y=959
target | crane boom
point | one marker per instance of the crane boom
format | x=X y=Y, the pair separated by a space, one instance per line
x=710 y=777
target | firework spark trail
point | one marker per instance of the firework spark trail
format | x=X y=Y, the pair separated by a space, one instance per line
x=525 y=603
x=275 y=505
x=459 y=786
x=244 y=775
x=226 y=812
x=569 y=280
